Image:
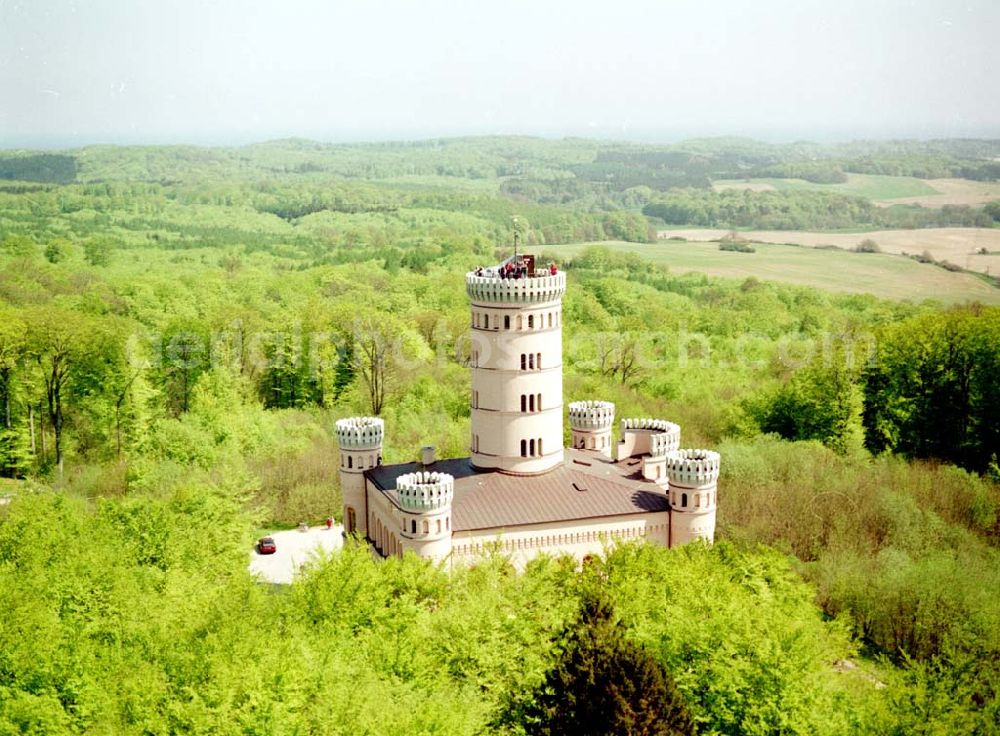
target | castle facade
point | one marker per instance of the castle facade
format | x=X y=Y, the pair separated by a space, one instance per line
x=520 y=490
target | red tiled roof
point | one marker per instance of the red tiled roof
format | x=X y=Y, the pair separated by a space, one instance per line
x=586 y=486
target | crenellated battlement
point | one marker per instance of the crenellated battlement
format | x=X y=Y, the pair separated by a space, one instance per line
x=693 y=468
x=360 y=433
x=489 y=287
x=664 y=442
x=425 y=491
x=591 y=415
x=656 y=425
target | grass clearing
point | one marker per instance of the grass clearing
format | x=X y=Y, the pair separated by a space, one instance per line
x=886 y=276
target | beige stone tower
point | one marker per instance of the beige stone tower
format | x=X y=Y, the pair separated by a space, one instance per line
x=590 y=425
x=693 y=486
x=360 y=441
x=516 y=358
x=424 y=500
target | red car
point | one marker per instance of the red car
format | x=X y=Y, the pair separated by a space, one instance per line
x=266 y=546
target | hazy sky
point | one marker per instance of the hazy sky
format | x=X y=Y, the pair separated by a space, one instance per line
x=204 y=71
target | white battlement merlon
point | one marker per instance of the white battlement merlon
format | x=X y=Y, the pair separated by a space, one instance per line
x=645 y=436
x=591 y=415
x=360 y=433
x=423 y=490
x=531 y=289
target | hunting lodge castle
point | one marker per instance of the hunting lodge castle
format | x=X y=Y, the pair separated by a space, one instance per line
x=520 y=489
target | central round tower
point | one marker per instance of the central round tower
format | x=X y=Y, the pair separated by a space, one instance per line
x=516 y=361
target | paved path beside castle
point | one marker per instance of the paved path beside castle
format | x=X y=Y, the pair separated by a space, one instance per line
x=295 y=548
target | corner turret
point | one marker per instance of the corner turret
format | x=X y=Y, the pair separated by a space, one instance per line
x=360 y=441
x=693 y=477
x=590 y=424
x=424 y=499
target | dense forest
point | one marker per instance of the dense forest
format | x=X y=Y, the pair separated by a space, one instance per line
x=180 y=328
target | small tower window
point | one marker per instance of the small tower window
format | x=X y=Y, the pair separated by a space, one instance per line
x=539 y=446
x=475 y=399
x=538 y=361
x=426 y=527
x=486 y=321
x=524 y=448
x=550 y=319
x=532 y=446
x=538 y=402
x=413 y=526
x=531 y=361
x=350 y=461
x=531 y=321
x=531 y=402
x=438 y=526
x=519 y=324
x=506 y=321
x=684 y=500
x=524 y=361
x=524 y=402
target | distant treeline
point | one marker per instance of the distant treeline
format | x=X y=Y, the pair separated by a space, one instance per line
x=801 y=210
x=43 y=167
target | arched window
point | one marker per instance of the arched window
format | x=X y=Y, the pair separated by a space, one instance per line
x=697 y=500
x=539 y=446
x=523 y=402
x=506 y=321
x=531 y=361
x=524 y=361
x=519 y=326
x=350 y=461
x=538 y=361
x=413 y=526
x=538 y=402
x=550 y=319
x=496 y=321
x=531 y=321
x=486 y=321
x=524 y=448
x=438 y=526
x=684 y=500
x=425 y=526
x=447 y=523
x=532 y=446
x=531 y=402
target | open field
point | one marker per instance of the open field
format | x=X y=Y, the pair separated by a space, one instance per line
x=960 y=245
x=869 y=186
x=886 y=276
x=884 y=191
x=952 y=191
